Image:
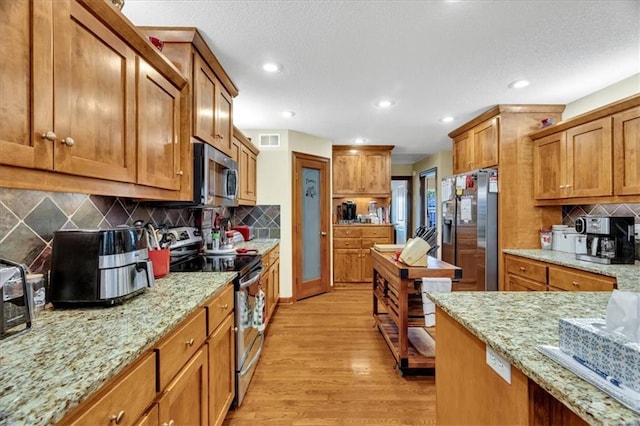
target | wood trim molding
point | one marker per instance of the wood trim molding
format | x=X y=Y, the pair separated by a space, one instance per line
x=115 y=20
x=363 y=147
x=614 y=199
x=595 y=114
x=499 y=109
x=285 y=301
x=237 y=133
x=192 y=35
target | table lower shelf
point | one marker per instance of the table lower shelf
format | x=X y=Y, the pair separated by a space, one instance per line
x=416 y=362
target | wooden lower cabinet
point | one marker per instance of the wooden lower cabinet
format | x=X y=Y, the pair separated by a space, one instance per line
x=151 y=417
x=351 y=251
x=463 y=375
x=271 y=279
x=185 y=401
x=221 y=346
x=531 y=275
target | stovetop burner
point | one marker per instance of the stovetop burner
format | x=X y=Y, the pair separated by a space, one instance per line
x=225 y=263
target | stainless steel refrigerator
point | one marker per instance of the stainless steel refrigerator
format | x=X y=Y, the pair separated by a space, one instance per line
x=470 y=227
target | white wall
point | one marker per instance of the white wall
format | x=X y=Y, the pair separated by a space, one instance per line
x=622 y=89
x=274 y=187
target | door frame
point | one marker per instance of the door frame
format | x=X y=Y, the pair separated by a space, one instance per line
x=296 y=221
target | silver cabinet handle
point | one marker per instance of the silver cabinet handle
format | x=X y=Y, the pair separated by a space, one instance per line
x=324 y=234
x=50 y=136
x=190 y=342
x=117 y=418
x=68 y=141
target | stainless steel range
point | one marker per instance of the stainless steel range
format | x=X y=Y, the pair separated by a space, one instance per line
x=248 y=308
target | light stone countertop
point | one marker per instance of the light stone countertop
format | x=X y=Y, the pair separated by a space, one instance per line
x=513 y=323
x=627 y=276
x=263 y=245
x=69 y=354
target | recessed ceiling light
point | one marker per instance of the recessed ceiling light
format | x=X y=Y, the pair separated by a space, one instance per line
x=271 y=67
x=288 y=114
x=447 y=119
x=519 y=84
x=360 y=140
x=384 y=103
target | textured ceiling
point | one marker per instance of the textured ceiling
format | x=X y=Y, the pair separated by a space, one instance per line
x=433 y=58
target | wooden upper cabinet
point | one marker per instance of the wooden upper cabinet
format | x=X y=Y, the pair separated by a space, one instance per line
x=477 y=148
x=26 y=86
x=212 y=108
x=626 y=152
x=247 y=167
x=589 y=151
x=549 y=156
x=158 y=130
x=485 y=144
x=94 y=104
x=362 y=171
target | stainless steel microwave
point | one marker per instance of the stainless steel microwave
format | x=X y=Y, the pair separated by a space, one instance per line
x=215 y=176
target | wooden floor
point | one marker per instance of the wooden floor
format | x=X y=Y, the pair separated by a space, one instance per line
x=324 y=363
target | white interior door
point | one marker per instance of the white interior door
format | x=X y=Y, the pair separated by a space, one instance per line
x=399 y=209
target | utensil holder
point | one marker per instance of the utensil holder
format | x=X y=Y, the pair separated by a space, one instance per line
x=160 y=260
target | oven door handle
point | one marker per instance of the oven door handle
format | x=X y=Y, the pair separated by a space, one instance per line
x=251 y=281
x=253 y=362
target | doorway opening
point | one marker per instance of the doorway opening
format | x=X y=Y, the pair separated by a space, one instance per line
x=401 y=190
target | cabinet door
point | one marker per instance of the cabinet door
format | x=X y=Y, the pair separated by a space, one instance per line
x=204 y=102
x=485 y=139
x=375 y=169
x=626 y=151
x=151 y=417
x=235 y=154
x=347 y=265
x=223 y=127
x=252 y=177
x=589 y=151
x=158 y=130
x=515 y=283
x=221 y=370
x=265 y=282
x=463 y=153
x=26 y=86
x=247 y=165
x=94 y=106
x=184 y=401
x=549 y=157
x=346 y=173
x=275 y=277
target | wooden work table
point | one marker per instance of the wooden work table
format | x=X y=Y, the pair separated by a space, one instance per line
x=397 y=309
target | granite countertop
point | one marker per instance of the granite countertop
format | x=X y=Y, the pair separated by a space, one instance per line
x=69 y=354
x=627 y=276
x=263 y=245
x=513 y=323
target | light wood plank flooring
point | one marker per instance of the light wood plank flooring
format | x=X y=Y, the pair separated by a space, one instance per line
x=325 y=364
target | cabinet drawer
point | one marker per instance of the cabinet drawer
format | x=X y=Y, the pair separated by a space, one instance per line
x=347 y=232
x=527 y=268
x=174 y=351
x=572 y=279
x=376 y=231
x=340 y=243
x=118 y=401
x=516 y=283
x=218 y=308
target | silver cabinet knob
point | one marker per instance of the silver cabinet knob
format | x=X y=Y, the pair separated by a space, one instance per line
x=50 y=136
x=68 y=141
x=117 y=418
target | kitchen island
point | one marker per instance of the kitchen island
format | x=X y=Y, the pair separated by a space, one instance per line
x=512 y=324
x=398 y=311
x=69 y=354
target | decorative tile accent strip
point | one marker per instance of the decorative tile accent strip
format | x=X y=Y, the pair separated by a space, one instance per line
x=265 y=219
x=28 y=220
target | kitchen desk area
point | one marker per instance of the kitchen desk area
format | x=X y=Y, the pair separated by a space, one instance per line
x=398 y=310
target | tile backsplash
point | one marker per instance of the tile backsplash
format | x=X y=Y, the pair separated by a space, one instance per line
x=28 y=220
x=265 y=219
x=570 y=213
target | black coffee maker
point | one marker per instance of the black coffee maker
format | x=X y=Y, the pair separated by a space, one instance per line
x=349 y=211
x=609 y=239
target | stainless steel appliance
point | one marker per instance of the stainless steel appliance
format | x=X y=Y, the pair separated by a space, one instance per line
x=609 y=239
x=99 y=266
x=250 y=337
x=215 y=177
x=184 y=240
x=15 y=299
x=470 y=227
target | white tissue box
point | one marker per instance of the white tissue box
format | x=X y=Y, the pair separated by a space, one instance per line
x=615 y=355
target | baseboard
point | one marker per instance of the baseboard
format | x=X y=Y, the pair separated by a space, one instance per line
x=285 y=300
